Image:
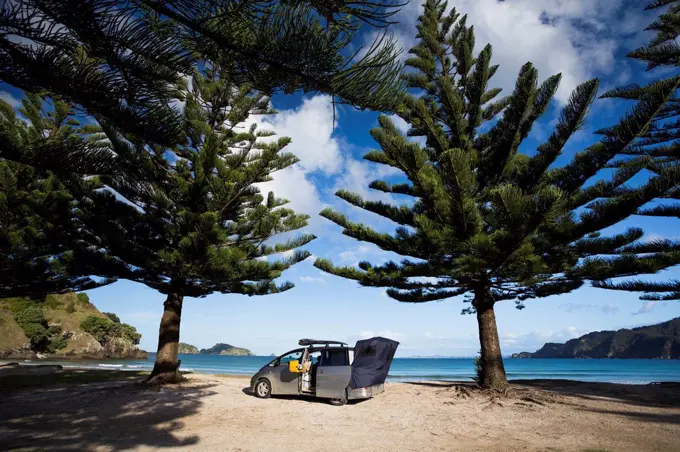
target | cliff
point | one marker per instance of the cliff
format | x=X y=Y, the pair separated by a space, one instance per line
x=188 y=349
x=661 y=341
x=64 y=327
x=226 y=349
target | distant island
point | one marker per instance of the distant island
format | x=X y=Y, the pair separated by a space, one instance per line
x=187 y=349
x=64 y=326
x=225 y=349
x=661 y=341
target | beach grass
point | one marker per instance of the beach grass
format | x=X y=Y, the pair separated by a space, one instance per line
x=72 y=376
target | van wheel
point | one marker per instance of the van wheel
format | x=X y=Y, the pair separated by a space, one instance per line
x=263 y=389
x=338 y=402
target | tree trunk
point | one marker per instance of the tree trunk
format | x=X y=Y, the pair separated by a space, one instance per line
x=492 y=373
x=166 y=367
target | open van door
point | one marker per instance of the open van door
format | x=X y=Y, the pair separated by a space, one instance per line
x=333 y=373
x=372 y=361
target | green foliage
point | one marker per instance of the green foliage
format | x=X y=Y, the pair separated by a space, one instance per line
x=488 y=220
x=129 y=77
x=31 y=314
x=130 y=333
x=105 y=329
x=485 y=220
x=125 y=75
x=113 y=317
x=98 y=327
x=55 y=329
x=46 y=338
x=658 y=148
x=205 y=227
x=30 y=317
x=37 y=334
x=83 y=298
x=19 y=304
x=41 y=251
x=56 y=344
x=52 y=302
x=479 y=369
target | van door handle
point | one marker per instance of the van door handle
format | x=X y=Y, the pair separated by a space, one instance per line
x=321 y=372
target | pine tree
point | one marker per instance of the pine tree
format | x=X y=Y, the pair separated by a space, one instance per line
x=201 y=225
x=488 y=221
x=41 y=250
x=659 y=147
x=103 y=56
x=121 y=60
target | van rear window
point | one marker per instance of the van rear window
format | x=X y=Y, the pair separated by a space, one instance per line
x=334 y=358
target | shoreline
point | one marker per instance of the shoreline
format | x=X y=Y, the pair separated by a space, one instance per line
x=6 y=366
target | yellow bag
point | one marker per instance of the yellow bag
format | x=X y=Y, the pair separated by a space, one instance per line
x=293 y=366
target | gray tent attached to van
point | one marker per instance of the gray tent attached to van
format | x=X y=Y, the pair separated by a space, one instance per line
x=372 y=361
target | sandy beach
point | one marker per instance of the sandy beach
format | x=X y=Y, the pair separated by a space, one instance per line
x=211 y=413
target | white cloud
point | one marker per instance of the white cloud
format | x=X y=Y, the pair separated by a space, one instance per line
x=12 y=100
x=609 y=308
x=355 y=255
x=648 y=307
x=313 y=279
x=511 y=342
x=367 y=334
x=310 y=126
x=400 y=123
x=293 y=184
x=569 y=37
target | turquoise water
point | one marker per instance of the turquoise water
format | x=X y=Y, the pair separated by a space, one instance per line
x=631 y=371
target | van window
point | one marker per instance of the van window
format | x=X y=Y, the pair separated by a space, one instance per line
x=334 y=358
x=285 y=359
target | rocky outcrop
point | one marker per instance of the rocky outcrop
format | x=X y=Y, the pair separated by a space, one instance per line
x=188 y=349
x=21 y=353
x=226 y=349
x=661 y=341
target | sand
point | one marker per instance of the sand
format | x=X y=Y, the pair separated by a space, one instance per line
x=213 y=413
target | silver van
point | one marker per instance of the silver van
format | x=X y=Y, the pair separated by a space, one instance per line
x=328 y=369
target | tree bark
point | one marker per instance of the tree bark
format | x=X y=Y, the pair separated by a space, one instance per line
x=166 y=367
x=491 y=360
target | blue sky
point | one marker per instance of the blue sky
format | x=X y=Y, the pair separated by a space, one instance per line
x=579 y=38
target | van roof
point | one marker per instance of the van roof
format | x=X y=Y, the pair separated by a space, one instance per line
x=308 y=342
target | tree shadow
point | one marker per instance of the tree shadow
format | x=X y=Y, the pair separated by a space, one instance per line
x=658 y=417
x=649 y=395
x=441 y=384
x=114 y=415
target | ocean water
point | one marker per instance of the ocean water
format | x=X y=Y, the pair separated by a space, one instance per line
x=631 y=371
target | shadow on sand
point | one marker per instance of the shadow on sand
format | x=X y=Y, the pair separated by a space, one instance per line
x=114 y=415
x=633 y=401
x=651 y=395
x=300 y=398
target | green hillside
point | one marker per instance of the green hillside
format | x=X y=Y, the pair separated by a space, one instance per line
x=188 y=349
x=226 y=349
x=660 y=341
x=63 y=326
